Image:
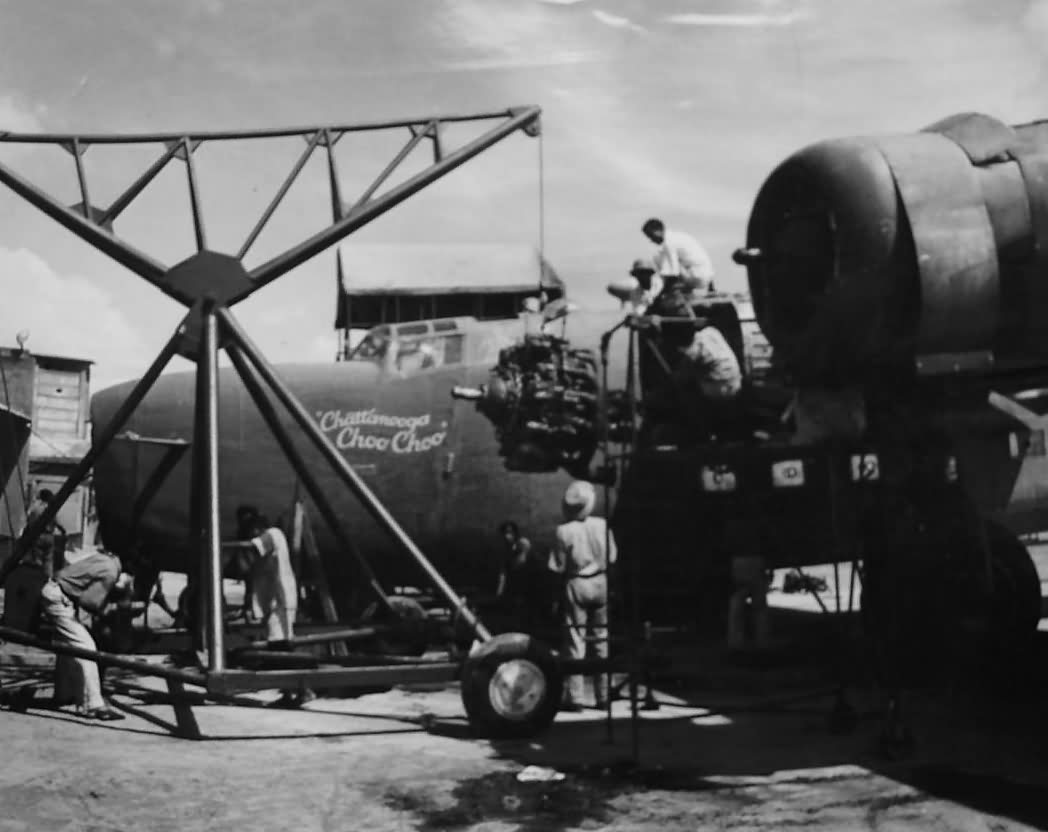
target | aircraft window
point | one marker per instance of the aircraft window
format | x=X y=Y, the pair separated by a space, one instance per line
x=413 y=329
x=414 y=356
x=444 y=326
x=373 y=347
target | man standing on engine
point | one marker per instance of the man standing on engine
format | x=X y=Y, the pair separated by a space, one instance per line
x=679 y=258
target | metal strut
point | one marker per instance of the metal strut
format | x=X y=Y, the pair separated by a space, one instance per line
x=200 y=276
x=209 y=282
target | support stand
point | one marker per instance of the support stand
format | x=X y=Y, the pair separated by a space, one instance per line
x=208 y=284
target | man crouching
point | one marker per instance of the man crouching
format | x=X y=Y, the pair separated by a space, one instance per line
x=87 y=583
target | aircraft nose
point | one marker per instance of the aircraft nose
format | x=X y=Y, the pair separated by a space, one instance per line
x=105 y=403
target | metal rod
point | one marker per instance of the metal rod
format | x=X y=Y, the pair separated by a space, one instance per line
x=299 y=254
x=346 y=472
x=281 y=193
x=416 y=137
x=101 y=442
x=835 y=530
x=232 y=681
x=197 y=564
x=194 y=197
x=659 y=357
x=253 y=383
x=121 y=203
x=141 y=264
x=208 y=367
x=634 y=569
x=278 y=132
x=81 y=176
x=144 y=668
x=438 y=150
x=350 y=634
x=605 y=445
x=338 y=209
x=854 y=568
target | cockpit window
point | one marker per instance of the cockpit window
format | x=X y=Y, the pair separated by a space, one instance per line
x=374 y=345
x=415 y=355
x=410 y=348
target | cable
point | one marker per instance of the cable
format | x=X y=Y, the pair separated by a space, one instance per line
x=542 y=210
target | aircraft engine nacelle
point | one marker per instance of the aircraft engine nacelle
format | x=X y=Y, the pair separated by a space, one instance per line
x=926 y=251
x=542 y=397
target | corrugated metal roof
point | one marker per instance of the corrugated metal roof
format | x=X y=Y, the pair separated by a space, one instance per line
x=44 y=359
x=442 y=268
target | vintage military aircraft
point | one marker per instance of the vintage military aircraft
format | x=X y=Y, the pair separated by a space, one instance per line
x=854 y=293
x=387 y=405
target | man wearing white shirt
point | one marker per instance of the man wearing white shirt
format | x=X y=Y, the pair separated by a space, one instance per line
x=679 y=255
x=648 y=286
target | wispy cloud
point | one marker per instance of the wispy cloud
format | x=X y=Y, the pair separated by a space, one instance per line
x=616 y=21
x=737 y=20
x=68 y=315
x=519 y=61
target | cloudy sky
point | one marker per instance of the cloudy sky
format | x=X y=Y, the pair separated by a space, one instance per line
x=676 y=108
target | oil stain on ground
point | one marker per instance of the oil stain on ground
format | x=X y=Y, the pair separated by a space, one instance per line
x=582 y=798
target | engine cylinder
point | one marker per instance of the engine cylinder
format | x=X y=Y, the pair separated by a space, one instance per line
x=872 y=254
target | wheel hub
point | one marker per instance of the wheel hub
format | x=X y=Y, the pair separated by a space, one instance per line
x=516 y=689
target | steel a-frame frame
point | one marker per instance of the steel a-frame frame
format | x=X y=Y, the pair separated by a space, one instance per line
x=209 y=283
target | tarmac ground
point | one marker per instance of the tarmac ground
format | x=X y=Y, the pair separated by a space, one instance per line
x=740 y=741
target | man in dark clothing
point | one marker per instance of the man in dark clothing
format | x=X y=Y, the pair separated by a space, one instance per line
x=522 y=584
x=42 y=554
x=87 y=583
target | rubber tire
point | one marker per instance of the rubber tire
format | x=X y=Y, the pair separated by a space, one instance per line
x=1016 y=605
x=478 y=670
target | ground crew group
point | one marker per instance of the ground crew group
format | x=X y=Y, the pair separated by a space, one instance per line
x=705 y=382
x=705 y=366
x=96 y=581
x=571 y=582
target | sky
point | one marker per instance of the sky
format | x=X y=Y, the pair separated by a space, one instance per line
x=669 y=108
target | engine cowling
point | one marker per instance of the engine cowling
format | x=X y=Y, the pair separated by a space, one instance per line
x=875 y=255
x=543 y=399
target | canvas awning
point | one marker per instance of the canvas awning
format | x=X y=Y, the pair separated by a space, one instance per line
x=392 y=283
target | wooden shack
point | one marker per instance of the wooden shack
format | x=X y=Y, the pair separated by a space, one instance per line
x=44 y=433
